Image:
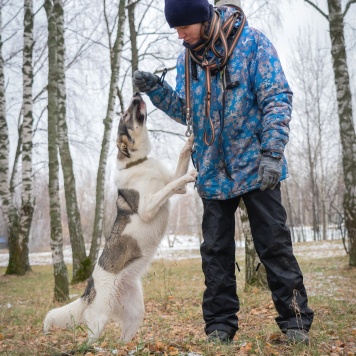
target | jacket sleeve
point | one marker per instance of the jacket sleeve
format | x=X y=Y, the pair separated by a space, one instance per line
x=274 y=96
x=170 y=101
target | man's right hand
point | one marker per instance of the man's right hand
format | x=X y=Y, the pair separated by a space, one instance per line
x=144 y=81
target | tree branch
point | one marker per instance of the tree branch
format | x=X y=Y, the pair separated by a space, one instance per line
x=133 y=3
x=318 y=8
x=349 y=3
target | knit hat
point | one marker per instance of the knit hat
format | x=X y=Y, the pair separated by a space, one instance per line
x=186 y=12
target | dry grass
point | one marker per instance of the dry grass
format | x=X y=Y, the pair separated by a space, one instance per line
x=173 y=323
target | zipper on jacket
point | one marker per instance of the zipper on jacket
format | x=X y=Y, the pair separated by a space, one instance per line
x=222 y=119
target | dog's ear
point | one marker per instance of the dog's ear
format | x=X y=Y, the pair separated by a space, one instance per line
x=122 y=146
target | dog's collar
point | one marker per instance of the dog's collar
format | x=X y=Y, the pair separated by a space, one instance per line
x=134 y=163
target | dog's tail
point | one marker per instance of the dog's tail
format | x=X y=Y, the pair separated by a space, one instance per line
x=65 y=317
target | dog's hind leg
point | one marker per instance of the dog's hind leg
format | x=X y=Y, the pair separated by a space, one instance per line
x=96 y=324
x=131 y=308
x=96 y=316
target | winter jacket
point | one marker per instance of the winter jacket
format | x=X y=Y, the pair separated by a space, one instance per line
x=254 y=116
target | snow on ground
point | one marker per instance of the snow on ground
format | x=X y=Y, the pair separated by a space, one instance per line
x=184 y=247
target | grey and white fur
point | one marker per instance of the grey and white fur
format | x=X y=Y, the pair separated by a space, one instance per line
x=114 y=291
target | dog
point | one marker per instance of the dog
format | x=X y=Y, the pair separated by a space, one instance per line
x=114 y=290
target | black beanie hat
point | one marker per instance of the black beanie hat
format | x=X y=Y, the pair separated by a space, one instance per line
x=186 y=12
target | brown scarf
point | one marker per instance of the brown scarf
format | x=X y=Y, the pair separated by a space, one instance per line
x=227 y=36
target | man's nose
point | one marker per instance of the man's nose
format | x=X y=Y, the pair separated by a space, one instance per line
x=180 y=34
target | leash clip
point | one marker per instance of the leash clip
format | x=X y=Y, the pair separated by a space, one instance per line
x=188 y=133
x=161 y=80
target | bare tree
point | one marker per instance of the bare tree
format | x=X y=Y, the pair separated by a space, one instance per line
x=21 y=220
x=4 y=140
x=116 y=53
x=61 y=289
x=81 y=264
x=133 y=36
x=255 y=272
x=315 y=107
x=27 y=206
x=336 y=20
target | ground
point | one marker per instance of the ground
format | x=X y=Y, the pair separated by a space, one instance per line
x=173 y=323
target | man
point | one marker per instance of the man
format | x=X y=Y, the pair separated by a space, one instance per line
x=232 y=93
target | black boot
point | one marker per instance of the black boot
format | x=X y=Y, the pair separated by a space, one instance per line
x=219 y=337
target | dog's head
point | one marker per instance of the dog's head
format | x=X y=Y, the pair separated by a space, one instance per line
x=132 y=138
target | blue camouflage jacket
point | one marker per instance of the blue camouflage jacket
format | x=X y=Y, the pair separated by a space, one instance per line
x=254 y=116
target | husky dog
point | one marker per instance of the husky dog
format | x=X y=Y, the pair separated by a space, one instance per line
x=114 y=291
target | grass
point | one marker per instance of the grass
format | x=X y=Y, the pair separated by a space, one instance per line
x=173 y=322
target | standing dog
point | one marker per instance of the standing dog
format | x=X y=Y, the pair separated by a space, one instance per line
x=114 y=291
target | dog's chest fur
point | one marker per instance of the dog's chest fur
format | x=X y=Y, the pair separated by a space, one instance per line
x=129 y=232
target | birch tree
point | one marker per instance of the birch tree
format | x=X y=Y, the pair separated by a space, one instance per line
x=81 y=264
x=61 y=289
x=4 y=139
x=336 y=20
x=20 y=220
x=133 y=37
x=255 y=272
x=115 y=60
x=27 y=206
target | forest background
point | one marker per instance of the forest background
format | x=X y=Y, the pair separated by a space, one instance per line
x=65 y=77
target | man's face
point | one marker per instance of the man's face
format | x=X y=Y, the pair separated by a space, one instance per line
x=190 y=33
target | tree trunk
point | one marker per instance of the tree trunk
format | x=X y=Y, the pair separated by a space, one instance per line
x=4 y=141
x=312 y=180
x=255 y=274
x=100 y=182
x=81 y=264
x=61 y=289
x=27 y=207
x=13 y=216
x=20 y=222
x=133 y=38
x=346 y=124
x=285 y=189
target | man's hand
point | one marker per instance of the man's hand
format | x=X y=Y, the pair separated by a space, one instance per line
x=269 y=172
x=144 y=81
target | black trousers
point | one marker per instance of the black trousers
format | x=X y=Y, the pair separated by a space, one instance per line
x=273 y=244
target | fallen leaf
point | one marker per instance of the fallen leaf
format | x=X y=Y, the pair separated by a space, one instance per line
x=159 y=346
x=173 y=351
x=339 y=343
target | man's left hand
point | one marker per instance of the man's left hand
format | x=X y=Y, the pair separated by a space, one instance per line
x=144 y=81
x=269 y=172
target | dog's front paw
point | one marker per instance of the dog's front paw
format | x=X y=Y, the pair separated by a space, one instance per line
x=193 y=174
x=190 y=141
x=183 y=181
x=187 y=148
x=190 y=177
